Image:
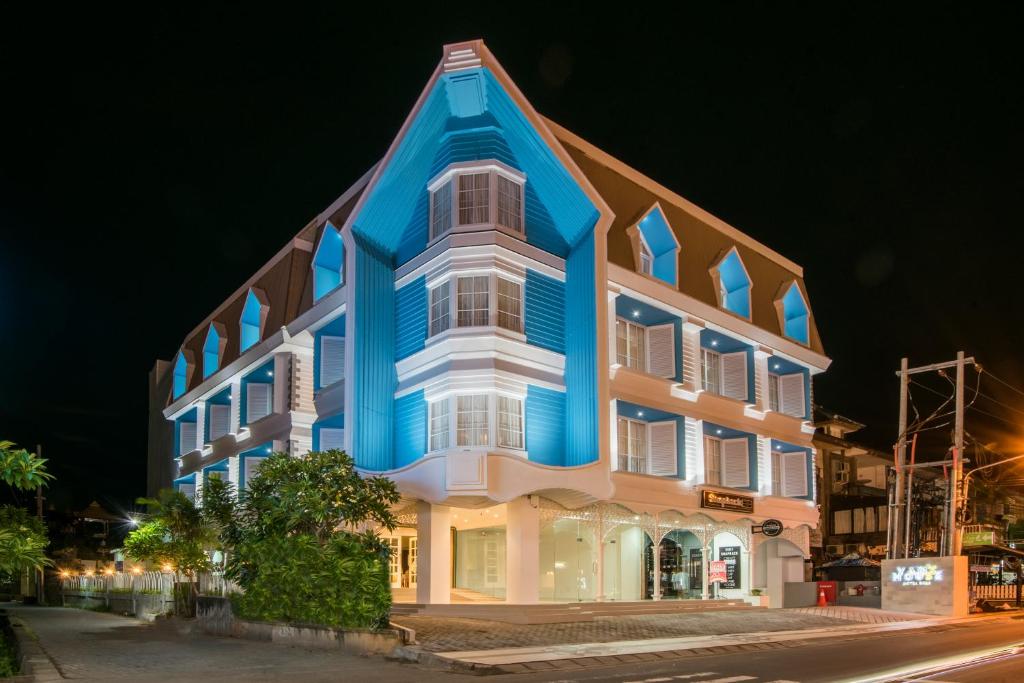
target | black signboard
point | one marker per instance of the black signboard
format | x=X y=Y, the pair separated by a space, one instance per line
x=716 y=500
x=731 y=556
x=770 y=527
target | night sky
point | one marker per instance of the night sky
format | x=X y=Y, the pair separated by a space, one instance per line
x=151 y=162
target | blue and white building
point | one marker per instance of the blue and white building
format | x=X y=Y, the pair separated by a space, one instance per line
x=585 y=386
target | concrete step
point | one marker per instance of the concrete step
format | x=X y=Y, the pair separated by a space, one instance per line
x=548 y=613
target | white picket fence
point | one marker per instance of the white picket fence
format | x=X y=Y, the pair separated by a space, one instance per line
x=996 y=592
x=210 y=583
x=119 y=582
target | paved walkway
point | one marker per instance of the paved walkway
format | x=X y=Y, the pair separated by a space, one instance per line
x=437 y=634
x=93 y=646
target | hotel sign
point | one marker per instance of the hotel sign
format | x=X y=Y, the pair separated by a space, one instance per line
x=916 y=575
x=715 y=500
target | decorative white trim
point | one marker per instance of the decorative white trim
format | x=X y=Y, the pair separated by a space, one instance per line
x=780 y=310
x=701 y=313
x=476 y=166
x=507 y=258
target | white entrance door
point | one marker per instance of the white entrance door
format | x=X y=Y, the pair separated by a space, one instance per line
x=395 y=562
x=412 y=562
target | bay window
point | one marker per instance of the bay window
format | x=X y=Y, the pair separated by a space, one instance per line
x=478 y=420
x=471 y=420
x=510 y=422
x=475 y=196
x=474 y=304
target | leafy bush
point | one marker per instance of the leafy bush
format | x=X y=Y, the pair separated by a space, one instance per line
x=8 y=649
x=297 y=540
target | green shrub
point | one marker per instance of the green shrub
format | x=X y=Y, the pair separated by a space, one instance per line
x=293 y=543
x=342 y=583
x=8 y=650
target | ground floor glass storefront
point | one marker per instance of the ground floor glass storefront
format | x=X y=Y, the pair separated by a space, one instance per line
x=601 y=552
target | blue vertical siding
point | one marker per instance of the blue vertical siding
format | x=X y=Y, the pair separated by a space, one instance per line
x=581 y=368
x=410 y=428
x=544 y=317
x=411 y=318
x=374 y=362
x=545 y=425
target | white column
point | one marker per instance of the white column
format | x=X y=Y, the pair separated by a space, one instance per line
x=612 y=353
x=433 y=554
x=236 y=406
x=522 y=553
x=764 y=465
x=656 y=565
x=691 y=356
x=200 y=429
x=761 y=378
x=613 y=422
x=282 y=382
x=694 y=433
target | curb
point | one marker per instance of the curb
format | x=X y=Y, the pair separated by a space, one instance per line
x=439 y=661
x=36 y=664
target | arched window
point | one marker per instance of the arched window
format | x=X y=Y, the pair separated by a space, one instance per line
x=655 y=246
x=328 y=263
x=732 y=284
x=254 y=315
x=180 y=383
x=795 y=316
x=213 y=348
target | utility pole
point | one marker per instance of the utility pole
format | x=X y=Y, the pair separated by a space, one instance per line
x=958 y=456
x=40 y=575
x=898 y=513
x=895 y=513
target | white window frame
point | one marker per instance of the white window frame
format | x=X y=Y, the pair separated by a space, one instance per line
x=632 y=433
x=712 y=456
x=447 y=424
x=640 y=362
x=494 y=170
x=705 y=378
x=495 y=315
x=776 y=393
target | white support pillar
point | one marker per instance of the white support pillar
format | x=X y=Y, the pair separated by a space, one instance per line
x=200 y=429
x=282 y=382
x=522 y=553
x=761 y=378
x=656 y=565
x=236 y=406
x=691 y=356
x=612 y=322
x=433 y=554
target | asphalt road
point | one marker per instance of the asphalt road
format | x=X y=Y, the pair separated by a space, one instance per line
x=893 y=657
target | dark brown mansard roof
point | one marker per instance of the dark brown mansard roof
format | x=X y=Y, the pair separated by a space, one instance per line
x=703 y=239
x=286 y=280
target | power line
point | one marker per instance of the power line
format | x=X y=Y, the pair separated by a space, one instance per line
x=1002 y=381
x=998 y=402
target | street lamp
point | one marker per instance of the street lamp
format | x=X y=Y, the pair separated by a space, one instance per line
x=966 y=496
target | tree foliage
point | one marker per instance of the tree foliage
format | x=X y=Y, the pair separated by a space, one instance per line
x=22 y=542
x=21 y=469
x=176 y=534
x=22 y=537
x=301 y=543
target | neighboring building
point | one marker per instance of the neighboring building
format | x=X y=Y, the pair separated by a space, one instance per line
x=853 y=490
x=562 y=364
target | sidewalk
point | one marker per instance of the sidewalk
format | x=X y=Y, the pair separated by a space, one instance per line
x=817 y=624
x=77 y=644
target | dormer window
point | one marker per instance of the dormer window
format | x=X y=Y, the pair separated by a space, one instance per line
x=475 y=196
x=655 y=246
x=732 y=283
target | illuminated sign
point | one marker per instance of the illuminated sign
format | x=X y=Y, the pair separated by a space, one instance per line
x=977 y=538
x=916 y=575
x=726 y=501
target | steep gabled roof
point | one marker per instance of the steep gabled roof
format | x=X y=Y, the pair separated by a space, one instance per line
x=703 y=238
